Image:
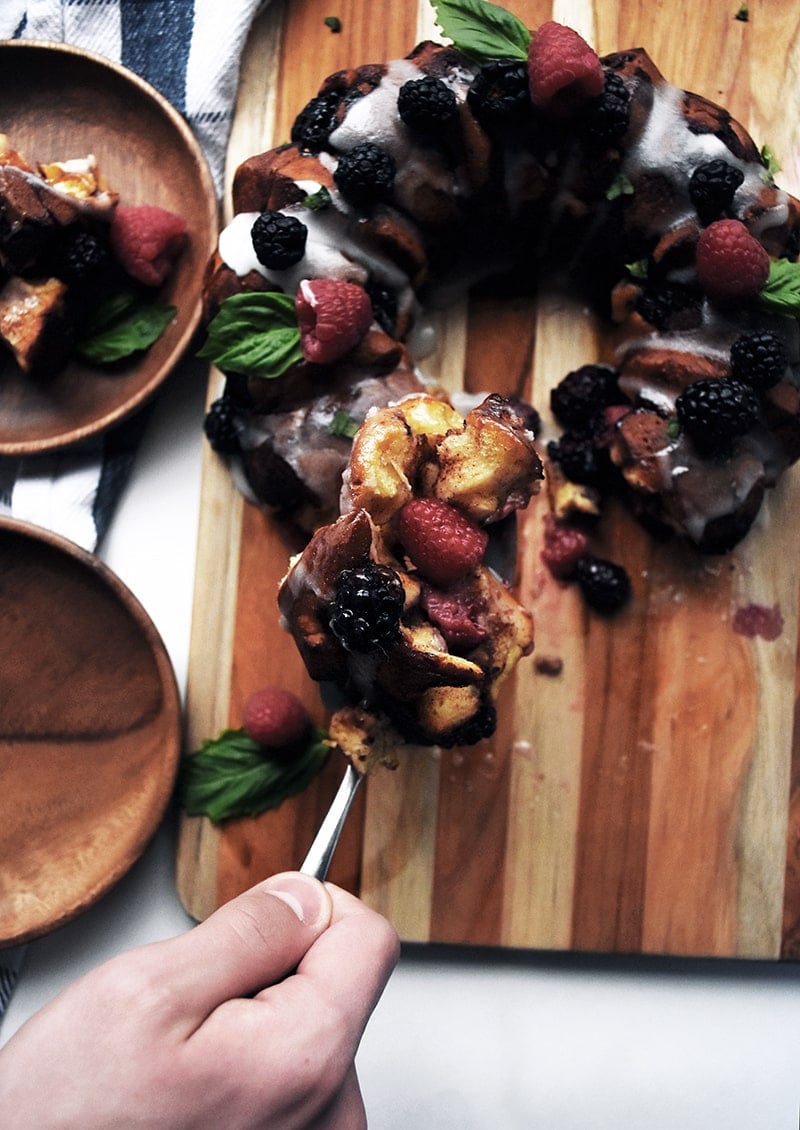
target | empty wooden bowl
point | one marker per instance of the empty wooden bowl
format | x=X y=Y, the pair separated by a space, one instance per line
x=90 y=726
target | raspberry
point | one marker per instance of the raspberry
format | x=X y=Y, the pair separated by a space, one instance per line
x=731 y=263
x=715 y=412
x=606 y=587
x=499 y=92
x=712 y=187
x=333 y=316
x=279 y=241
x=455 y=614
x=759 y=359
x=442 y=543
x=562 y=547
x=147 y=241
x=220 y=426
x=583 y=395
x=366 y=609
x=563 y=70
x=316 y=121
x=426 y=104
x=275 y=717
x=365 y=175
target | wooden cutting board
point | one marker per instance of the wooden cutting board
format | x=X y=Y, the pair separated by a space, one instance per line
x=647 y=798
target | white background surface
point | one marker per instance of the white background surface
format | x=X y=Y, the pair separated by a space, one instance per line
x=474 y=1040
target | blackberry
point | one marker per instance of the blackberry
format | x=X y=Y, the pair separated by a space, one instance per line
x=605 y=585
x=607 y=117
x=713 y=413
x=365 y=175
x=220 y=426
x=84 y=258
x=661 y=305
x=366 y=609
x=712 y=187
x=384 y=307
x=481 y=725
x=279 y=241
x=580 y=398
x=500 y=92
x=316 y=121
x=579 y=458
x=427 y=104
x=759 y=359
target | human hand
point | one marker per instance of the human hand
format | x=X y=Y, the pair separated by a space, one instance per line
x=251 y=1019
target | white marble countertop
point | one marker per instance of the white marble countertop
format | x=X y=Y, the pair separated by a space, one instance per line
x=462 y=1038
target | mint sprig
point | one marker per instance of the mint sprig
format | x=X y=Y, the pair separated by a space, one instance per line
x=343 y=424
x=232 y=776
x=255 y=334
x=122 y=325
x=482 y=30
x=781 y=292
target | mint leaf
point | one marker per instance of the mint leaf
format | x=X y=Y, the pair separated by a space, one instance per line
x=255 y=334
x=316 y=201
x=343 y=424
x=638 y=269
x=781 y=292
x=232 y=776
x=122 y=325
x=620 y=186
x=482 y=30
x=771 y=162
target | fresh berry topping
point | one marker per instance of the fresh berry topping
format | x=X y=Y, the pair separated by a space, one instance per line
x=333 y=316
x=714 y=413
x=607 y=117
x=220 y=426
x=316 y=121
x=499 y=92
x=279 y=241
x=366 y=609
x=563 y=70
x=275 y=717
x=579 y=458
x=731 y=263
x=442 y=543
x=606 y=587
x=481 y=725
x=384 y=306
x=456 y=614
x=365 y=175
x=84 y=258
x=562 y=547
x=665 y=303
x=426 y=104
x=147 y=241
x=583 y=395
x=712 y=187
x=759 y=359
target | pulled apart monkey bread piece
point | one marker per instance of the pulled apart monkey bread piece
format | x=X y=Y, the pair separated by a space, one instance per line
x=394 y=602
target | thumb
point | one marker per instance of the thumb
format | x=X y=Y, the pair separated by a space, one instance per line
x=251 y=942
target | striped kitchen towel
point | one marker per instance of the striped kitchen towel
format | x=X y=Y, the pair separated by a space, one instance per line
x=190 y=51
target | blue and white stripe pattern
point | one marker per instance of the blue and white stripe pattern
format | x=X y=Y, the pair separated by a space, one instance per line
x=190 y=51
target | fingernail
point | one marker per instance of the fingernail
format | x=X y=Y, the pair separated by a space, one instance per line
x=306 y=897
